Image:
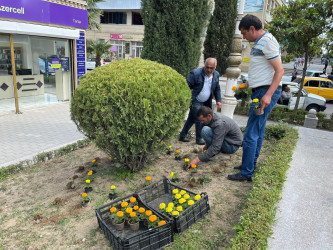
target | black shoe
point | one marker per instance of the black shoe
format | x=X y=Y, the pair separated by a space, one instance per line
x=183 y=139
x=201 y=142
x=239 y=177
x=238 y=167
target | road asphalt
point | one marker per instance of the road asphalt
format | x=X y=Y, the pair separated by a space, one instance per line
x=305 y=212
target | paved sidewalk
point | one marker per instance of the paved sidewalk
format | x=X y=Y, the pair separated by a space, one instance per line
x=35 y=131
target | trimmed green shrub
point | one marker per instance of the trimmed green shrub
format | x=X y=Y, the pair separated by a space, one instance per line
x=128 y=107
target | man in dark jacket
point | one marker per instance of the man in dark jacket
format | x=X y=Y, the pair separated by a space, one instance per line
x=221 y=134
x=204 y=83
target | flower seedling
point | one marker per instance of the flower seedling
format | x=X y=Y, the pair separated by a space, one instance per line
x=194 y=168
x=256 y=103
x=85 y=198
x=186 y=162
x=148 y=181
x=177 y=155
x=169 y=150
x=94 y=165
x=174 y=177
x=133 y=202
x=153 y=221
x=134 y=218
x=119 y=218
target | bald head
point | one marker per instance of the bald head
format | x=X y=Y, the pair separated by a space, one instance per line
x=210 y=66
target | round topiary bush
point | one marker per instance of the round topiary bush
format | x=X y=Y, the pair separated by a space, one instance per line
x=128 y=107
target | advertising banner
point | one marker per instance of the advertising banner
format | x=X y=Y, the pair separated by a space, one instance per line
x=80 y=56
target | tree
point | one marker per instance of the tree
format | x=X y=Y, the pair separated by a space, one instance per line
x=220 y=32
x=93 y=14
x=173 y=32
x=299 y=25
x=98 y=48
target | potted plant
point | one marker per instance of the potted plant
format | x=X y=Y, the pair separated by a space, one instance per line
x=88 y=188
x=169 y=150
x=134 y=221
x=194 y=169
x=85 y=199
x=177 y=155
x=256 y=107
x=174 y=177
x=148 y=181
x=133 y=202
x=90 y=176
x=112 y=194
x=186 y=162
x=119 y=221
x=113 y=211
x=93 y=167
x=152 y=221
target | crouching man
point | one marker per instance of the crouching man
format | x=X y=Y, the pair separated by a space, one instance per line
x=220 y=133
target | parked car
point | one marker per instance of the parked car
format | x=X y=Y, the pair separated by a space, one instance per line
x=91 y=63
x=318 y=85
x=307 y=100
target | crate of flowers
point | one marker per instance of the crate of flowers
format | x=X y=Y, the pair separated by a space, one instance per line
x=129 y=224
x=180 y=205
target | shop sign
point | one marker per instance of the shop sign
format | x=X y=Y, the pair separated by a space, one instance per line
x=44 y=12
x=81 y=56
x=55 y=64
x=116 y=36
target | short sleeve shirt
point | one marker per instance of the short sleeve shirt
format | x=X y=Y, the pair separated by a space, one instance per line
x=264 y=49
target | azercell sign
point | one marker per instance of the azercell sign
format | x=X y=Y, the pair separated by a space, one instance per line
x=44 y=12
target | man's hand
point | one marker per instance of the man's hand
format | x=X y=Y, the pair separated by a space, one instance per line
x=265 y=101
x=193 y=162
x=219 y=105
x=204 y=148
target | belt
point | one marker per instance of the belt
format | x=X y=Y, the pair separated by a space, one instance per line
x=263 y=87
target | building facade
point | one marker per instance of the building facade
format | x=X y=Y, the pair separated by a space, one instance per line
x=42 y=51
x=121 y=25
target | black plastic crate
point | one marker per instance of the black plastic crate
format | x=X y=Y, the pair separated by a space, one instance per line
x=161 y=192
x=149 y=239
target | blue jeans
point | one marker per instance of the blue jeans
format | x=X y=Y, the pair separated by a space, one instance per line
x=255 y=131
x=207 y=135
x=191 y=119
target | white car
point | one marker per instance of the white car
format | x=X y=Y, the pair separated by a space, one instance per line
x=307 y=100
x=91 y=63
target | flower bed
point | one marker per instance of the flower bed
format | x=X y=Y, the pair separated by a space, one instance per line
x=155 y=237
x=162 y=192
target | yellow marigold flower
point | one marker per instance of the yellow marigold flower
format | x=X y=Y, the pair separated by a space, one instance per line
x=234 y=88
x=113 y=187
x=179 y=208
x=170 y=146
x=175 y=213
x=161 y=223
x=162 y=206
x=133 y=214
x=172 y=173
x=88 y=181
x=170 y=205
x=163 y=143
x=141 y=210
x=93 y=161
x=177 y=151
x=197 y=197
x=177 y=196
x=148 y=178
x=148 y=212
x=190 y=202
x=120 y=214
x=181 y=201
x=153 y=218
x=186 y=196
x=90 y=173
x=110 y=158
x=175 y=191
x=182 y=192
x=135 y=208
x=132 y=200
x=193 y=166
x=168 y=209
x=113 y=209
x=84 y=195
x=255 y=100
x=124 y=204
x=187 y=160
x=242 y=86
x=129 y=210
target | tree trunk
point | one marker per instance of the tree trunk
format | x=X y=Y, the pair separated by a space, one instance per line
x=303 y=76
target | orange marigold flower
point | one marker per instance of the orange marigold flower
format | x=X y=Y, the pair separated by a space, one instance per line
x=148 y=178
x=124 y=204
x=84 y=195
x=153 y=218
x=141 y=210
x=133 y=199
x=135 y=208
x=120 y=214
x=129 y=210
x=90 y=173
x=113 y=209
x=161 y=223
x=148 y=212
x=177 y=151
x=93 y=161
x=242 y=86
x=234 y=88
x=193 y=166
x=133 y=214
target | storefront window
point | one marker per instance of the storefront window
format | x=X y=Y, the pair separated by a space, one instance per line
x=43 y=72
x=120 y=48
x=137 y=49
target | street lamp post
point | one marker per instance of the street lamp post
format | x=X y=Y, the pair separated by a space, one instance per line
x=229 y=102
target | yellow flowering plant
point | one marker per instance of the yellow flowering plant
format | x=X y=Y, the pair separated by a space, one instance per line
x=85 y=198
x=88 y=183
x=133 y=202
x=169 y=150
x=182 y=192
x=241 y=92
x=186 y=162
x=162 y=206
x=119 y=218
x=112 y=190
x=177 y=155
x=174 y=176
x=142 y=213
x=255 y=103
x=113 y=213
x=197 y=197
x=133 y=218
x=128 y=211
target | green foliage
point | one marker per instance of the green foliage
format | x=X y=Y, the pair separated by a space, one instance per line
x=173 y=32
x=98 y=48
x=220 y=32
x=255 y=223
x=128 y=107
x=93 y=14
